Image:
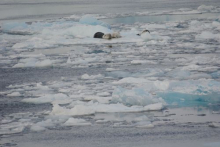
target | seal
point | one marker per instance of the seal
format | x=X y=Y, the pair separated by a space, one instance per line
x=102 y=35
x=144 y=31
x=116 y=35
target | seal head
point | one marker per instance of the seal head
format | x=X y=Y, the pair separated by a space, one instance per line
x=98 y=35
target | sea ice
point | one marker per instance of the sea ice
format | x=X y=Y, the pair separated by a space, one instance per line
x=185 y=70
x=14 y=94
x=208 y=35
x=14 y=127
x=49 y=98
x=216 y=74
x=142 y=62
x=214 y=125
x=91 y=77
x=131 y=80
x=135 y=96
x=37 y=128
x=76 y=122
x=33 y=62
x=98 y=98
x=16 y=28
x=92 y=108
x=90 y=20
x=204 y=8
x=154 y=36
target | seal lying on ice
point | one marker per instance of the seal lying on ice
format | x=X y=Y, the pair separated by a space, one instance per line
x=102 y=35
x=144 y=31
x=107 y=36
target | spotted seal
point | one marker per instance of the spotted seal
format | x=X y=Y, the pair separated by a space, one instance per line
x=102 y=35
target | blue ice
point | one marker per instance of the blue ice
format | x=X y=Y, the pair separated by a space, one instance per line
x=87 y=19
x=215 y=75
x=134 y=96
x=189 y=100
x=9 y=26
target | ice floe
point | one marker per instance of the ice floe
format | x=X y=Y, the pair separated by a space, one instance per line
x=33 y=62
x=135 y=96
x=90 y=20
x=92 y=108
x=49 y=98
x=208 y=35
x=76 y=122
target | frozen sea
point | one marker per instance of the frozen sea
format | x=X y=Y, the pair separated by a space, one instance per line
x=59 y=86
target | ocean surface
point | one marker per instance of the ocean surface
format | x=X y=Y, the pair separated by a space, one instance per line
x=59 y=86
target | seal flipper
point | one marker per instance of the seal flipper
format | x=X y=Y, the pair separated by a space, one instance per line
x=98 y=35
x=144 y=31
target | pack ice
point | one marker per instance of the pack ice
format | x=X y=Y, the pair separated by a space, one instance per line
x=116 y=82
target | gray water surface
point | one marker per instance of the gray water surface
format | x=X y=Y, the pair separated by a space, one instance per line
x=46 y=9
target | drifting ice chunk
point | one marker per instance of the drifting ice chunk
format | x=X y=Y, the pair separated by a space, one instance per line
x=16 y=28
x=144 y=125
x=69 y=61
x=77 y=110
x=23 y=28
x=49 y=98
x=14 y=94
x=92 y=77
x=11 y=130
x=88 y=19
x=204 y=8
x=131 y=80
x=216 y=74
x=191 y=93
x=208 y=35
x=98 y=98
x=179 y=74
x=135 y=62
x=135 y=96
x=191 y=67
x=33 y=62
x=154 y=107
x=214 y=125
x=76 y=122
x=92 y=108
x=37 y=128
x=110 y=69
